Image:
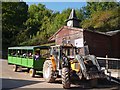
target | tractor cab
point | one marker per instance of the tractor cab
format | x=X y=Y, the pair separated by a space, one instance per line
x=62 y=55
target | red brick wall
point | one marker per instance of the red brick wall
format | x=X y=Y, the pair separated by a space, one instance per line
x=60 y=35
x=68 y=34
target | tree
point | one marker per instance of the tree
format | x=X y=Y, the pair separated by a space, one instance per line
x=93 y=7
x=43 y=23
x=14 y=14
x=37 y=24
x=36 y=16
x=103 y=16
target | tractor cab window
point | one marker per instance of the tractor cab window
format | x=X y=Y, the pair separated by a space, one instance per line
x=44 y=53
x=65 y=51
x=86 y=50
x=69 y=51
x=54 y=51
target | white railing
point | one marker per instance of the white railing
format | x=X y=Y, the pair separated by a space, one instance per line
x=116 y=59
x=109 y=73
x=108 y=59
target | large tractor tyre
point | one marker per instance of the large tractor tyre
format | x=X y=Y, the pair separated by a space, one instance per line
x=48 y=73
x=15 y=67
x=66 y=78
x=93 y=82
x=32 y=72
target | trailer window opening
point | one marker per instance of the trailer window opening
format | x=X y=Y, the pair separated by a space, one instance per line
x=10 y=52
x=24 y=53
x=30 y=54
x=14 y=53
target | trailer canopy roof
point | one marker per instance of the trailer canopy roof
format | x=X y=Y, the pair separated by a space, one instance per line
x=29 y=47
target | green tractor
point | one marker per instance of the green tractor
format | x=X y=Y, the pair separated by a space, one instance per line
x=65 y=61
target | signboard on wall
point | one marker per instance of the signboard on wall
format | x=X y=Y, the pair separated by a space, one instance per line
x=79 y=42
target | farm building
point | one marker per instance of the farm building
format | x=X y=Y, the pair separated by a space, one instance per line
x=99 y=43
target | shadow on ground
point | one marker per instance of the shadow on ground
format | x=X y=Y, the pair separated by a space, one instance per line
x=16 y=83
x=24 y=70
x=102 y=84
x=85 y=85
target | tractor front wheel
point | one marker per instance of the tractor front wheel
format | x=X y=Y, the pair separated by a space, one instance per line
x=48 y=72
x=66 y=78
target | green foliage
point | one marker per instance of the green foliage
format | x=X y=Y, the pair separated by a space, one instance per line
x=93 y=7
x=102 y=16
x=59 y=21
x=37 y=24
x=13 y=17
x=43 y=23
x=14 y=14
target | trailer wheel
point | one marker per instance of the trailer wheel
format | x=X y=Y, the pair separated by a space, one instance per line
x=65 y=78
x=48 y=73
x=93 y=82
x=15 y=67
x=28 y=69
x=32 y=72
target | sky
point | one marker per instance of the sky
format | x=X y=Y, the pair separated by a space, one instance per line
x=60 y=6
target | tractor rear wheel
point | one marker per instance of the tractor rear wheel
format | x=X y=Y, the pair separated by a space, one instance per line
x=48 y=72
x=66 y=77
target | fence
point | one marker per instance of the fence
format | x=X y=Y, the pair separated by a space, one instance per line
x=109 y=63
x=112 y=66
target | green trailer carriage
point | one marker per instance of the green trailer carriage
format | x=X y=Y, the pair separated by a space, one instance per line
x=25 y=57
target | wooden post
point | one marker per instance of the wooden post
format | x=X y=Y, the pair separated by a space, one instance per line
x=107 y=67
x=106 y=62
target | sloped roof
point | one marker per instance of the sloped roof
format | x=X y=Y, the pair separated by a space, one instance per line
x=65 y=27
x=111 y=33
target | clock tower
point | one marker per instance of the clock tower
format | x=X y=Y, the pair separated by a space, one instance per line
x=72 y=21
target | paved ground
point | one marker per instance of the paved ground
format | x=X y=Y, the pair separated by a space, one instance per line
x=115 y=73
x=16 y=80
